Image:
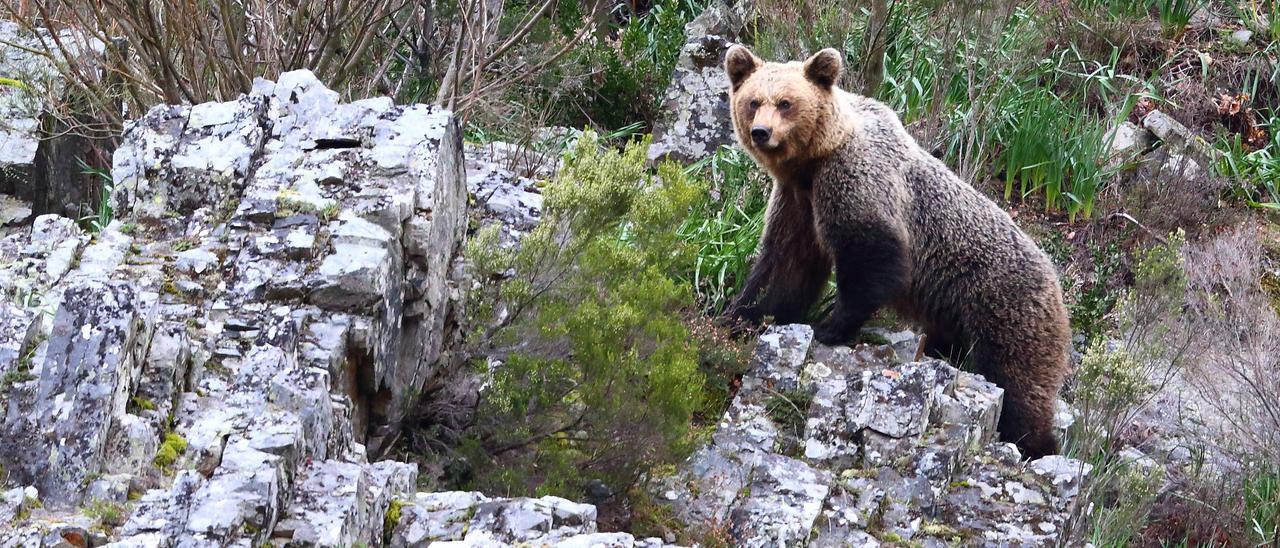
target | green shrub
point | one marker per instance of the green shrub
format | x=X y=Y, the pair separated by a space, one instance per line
x=1109 y=380
x=1148 y=343
x=1097 y=298
x=1129 y=492
x=591 y=371
x=612 y=83
x=722 y=359
x=106 y=513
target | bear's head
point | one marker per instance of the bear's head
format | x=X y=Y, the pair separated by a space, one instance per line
x=783 y=112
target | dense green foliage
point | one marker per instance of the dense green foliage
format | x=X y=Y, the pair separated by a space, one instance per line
x=614 y=80
x=592 y=374
x=636 y=72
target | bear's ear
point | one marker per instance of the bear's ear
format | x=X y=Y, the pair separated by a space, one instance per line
x=824 y=67
x=740 y=63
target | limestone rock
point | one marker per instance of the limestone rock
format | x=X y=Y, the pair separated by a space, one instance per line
x=1240 y=38
x=456 y=518
x=239 y=343
x=782 y=502
x=1185 y=153
x=84 y=383
x=697 y=99
x=904 y=450
x=1127 y=142
x=503 y=195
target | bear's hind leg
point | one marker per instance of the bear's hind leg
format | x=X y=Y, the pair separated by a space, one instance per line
x=1030 y=392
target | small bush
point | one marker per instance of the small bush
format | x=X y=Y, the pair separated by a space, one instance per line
x=1098 y=296
x=789 y=410
x=637 y=71
x=591 y=372
x=108 y=514
x=722 y=360
x=1120 y=509
x=1235 y=371
x=1118 y=376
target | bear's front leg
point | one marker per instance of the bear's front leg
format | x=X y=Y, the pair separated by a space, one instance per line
x=870 y=272
x=787 y=277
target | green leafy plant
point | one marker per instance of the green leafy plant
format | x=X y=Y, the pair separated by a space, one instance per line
x=590 y=369
x=1254 y=175
x=724 y=228
x=103 y=214
x=1175 y=14
x=1262 y=504
x=633 y=74
x=1097 y=297
x=106 y=513
x=789 y=410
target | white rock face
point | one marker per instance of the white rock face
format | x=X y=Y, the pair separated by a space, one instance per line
x=882 y=443
x=254 y=324
x=457 y=518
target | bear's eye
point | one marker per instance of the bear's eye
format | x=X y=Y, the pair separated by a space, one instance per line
x=784 y=104
x=755 y=104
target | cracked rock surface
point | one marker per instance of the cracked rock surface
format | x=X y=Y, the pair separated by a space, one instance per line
x=840 y=446
x=216 y=366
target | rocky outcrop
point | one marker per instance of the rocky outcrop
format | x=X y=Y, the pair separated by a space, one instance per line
x=1159 y=148
x=271 y=300
x=839 y=446
x=696 y=102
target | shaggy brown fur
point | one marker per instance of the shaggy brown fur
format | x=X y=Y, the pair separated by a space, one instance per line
x=853 y=190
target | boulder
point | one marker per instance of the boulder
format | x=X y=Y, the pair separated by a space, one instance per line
x=891 y=451
x=696 y=102
x=1184 y=153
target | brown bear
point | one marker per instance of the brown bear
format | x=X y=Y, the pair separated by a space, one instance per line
x=852 y=190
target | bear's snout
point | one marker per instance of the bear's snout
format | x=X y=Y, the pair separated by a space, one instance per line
x=760 y=135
